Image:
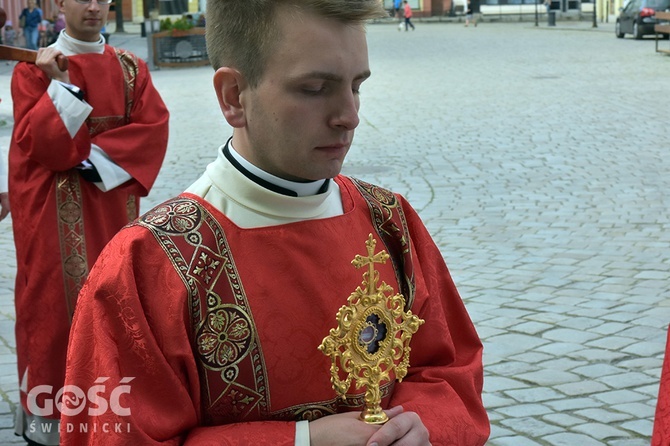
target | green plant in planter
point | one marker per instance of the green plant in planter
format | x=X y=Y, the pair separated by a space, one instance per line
x=181 y=24
x=166 y=24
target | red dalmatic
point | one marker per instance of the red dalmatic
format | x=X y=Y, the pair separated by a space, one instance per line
x=218 y=326
x=661 y=435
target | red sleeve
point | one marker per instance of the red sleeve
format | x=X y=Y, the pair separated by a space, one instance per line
x=39 y=131
x=131 y=326
x=661 y=433
x=445 y=379
x=139 y=146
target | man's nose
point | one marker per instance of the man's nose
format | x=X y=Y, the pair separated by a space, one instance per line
x=346 y=113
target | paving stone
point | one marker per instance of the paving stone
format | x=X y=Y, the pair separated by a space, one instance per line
x=494 y=400
x=600 y=431
x=645 y=349
x=509 y=368
x=640 y=426
x=497 y=432
x=512 y=344
x=612 y=342
x=562 y=419
x=563 y=364
x=580 y=323
x=560 y=349
x=572 y=404
x=598 y=370
x=629 y=442
x=513 y=441
x=603 y=415
x=598 y=355
x=498 y=383
x=627 y=380
x=524 y=410
x=571 y=439
x=569 y=335
x=638 y=409
x=549 y=377
x=582 y=388
x=531 y=427
x=532 y=328
x=619 y=397
x=535 y=394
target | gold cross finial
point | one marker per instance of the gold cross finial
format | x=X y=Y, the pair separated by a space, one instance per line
x=370 y=278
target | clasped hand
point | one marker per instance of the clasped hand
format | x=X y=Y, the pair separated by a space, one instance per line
x=346 y=429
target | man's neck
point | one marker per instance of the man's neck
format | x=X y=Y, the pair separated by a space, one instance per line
x=272 y=182
x=71 y=46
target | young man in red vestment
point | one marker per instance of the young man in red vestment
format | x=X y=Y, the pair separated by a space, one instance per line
x=200 y=323
x=661 y=433
x=87 y=143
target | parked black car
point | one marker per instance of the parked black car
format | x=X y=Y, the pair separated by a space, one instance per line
x=637 y=17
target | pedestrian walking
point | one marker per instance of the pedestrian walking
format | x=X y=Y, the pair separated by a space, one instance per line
x=30 y=20
x=470 y=15
x=87 y=143
x=408 y=16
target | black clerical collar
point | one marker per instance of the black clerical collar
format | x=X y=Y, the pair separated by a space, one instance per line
x=262 y=181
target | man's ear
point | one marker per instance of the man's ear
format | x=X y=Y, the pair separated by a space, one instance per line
x=229 y=84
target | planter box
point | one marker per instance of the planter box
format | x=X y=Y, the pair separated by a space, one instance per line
x=178 y=48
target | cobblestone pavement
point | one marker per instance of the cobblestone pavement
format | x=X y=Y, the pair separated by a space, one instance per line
x=539 y=164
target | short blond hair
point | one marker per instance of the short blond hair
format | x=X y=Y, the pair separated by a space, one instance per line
x=241 y=33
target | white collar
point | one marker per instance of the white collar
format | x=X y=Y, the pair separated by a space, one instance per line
x=302 y=189
x=71 y=46
x=248 y=204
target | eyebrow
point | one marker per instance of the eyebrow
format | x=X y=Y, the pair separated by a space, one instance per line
x=332 y=77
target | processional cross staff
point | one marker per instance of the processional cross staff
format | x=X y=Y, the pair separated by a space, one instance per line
x=25 y=55
x=372 y=337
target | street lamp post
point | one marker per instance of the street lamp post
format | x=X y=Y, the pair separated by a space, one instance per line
x=595 y=23
x=536 y=16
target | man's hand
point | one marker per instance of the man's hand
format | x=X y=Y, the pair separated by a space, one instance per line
x=402 y=429
x=47 y=61
x=342 y=429
x=347 y=429
x=4 y=205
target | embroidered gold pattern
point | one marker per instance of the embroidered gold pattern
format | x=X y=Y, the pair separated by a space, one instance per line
x=225 y=337
x=130 y=69
x=314 y=411
x=389 y=221
x=100 y=124
x=71 y=235
x=230 y=360
x=132 y=208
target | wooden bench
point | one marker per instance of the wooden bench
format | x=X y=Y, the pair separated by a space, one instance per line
x=662 y=28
